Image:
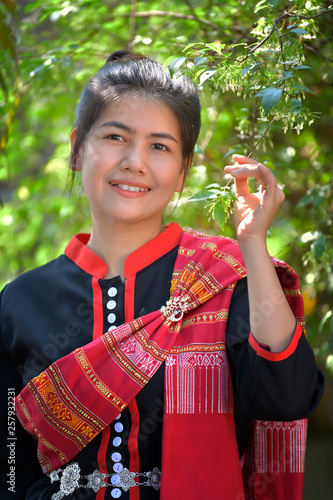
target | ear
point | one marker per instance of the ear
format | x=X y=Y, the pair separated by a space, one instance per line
x=78 y=161
x=181 y=181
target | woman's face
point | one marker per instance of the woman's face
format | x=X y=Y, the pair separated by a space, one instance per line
x=131 y=162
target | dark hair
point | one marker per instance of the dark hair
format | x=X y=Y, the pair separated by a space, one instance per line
x=127 y=73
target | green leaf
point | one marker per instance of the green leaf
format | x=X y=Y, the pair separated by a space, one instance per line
x=302 y=66
x=304 y=89
x=206 y=75
x=202 y=195
x=318 y=247
x=190 y=45
x=269 y=98
x=300 y=31
x=238 y=148
x=217 y=47
x=249 y=68
x=287 y=74
x=200 y=60
x=219 y=213
x=329 y=364
x=273 y=3
x=199 y=72
x=175 y=64
x=198 y=149
x=296 y=105
x=227 y=194
x=215 y=185
x=327 y=316
x=260 y=5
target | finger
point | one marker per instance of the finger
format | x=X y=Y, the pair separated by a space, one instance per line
x=241 y=174
x=241 y=186
x=243 y=171
x=261 y=173
x=244 y=159
x=266 y=177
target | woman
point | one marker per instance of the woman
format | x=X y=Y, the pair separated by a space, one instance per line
x=145 y=408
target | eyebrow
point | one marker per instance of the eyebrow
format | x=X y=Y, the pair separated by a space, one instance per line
x=122 y=126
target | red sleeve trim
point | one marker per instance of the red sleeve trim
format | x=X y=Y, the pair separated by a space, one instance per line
x=277 y=356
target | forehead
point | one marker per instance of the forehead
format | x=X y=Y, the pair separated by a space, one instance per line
x=140 y=112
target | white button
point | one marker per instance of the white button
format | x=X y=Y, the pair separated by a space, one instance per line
x=116 y=457
x=116 y=441
x=111 y=304
x=112 y=292
x=118 y=427
x=113 y=327
x=116 y=493
x=118 y=416
x=111 y=318
x=115 y=479
x=118 y=467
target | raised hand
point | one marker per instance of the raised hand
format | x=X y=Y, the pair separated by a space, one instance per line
x=254 y=212
x=253 y=215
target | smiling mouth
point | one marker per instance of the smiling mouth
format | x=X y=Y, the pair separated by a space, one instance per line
x=134 y=189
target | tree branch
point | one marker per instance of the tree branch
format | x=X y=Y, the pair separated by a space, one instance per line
x=317 y=15
x=177 y=15
x=282 y=55
x=250 y=51
x=312 y=49
x=190 y=7
x=261 y=70
x=261 y=138
x=274 y=28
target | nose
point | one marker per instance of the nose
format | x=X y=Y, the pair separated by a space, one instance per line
x=134 y=160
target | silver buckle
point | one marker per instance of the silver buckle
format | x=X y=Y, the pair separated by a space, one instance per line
x=70 y=480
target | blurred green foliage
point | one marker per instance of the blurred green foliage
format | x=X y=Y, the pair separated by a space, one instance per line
x=250 y=95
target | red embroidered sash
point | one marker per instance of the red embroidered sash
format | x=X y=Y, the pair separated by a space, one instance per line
x=78 y=396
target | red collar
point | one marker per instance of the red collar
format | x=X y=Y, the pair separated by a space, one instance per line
x=87 y=260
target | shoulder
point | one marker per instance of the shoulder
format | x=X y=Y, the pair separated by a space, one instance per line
x=197 y=239
x=34 y=280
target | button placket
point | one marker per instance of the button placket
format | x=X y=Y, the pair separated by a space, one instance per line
x=112 y=304
x=116 y=457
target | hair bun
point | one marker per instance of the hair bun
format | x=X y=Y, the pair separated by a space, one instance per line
x=124 y=54
x=118 y=54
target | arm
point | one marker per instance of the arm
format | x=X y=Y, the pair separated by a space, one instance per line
x=271 y=319
x=266 y=389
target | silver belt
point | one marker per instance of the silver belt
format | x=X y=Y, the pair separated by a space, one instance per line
x=71 y=479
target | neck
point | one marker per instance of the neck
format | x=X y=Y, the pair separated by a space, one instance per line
x=114 y=244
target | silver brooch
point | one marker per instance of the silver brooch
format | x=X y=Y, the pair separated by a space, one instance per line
x=70 y=479
x=126 y=479
x=96 y=481
x=154 y=478
x=175 y=308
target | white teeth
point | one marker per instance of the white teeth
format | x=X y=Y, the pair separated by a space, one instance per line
x=135 y=189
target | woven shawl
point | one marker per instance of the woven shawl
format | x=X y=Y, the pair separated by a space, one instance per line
x=79 y=395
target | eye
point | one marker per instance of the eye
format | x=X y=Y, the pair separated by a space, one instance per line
x=114 y=137
x=160 y=147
